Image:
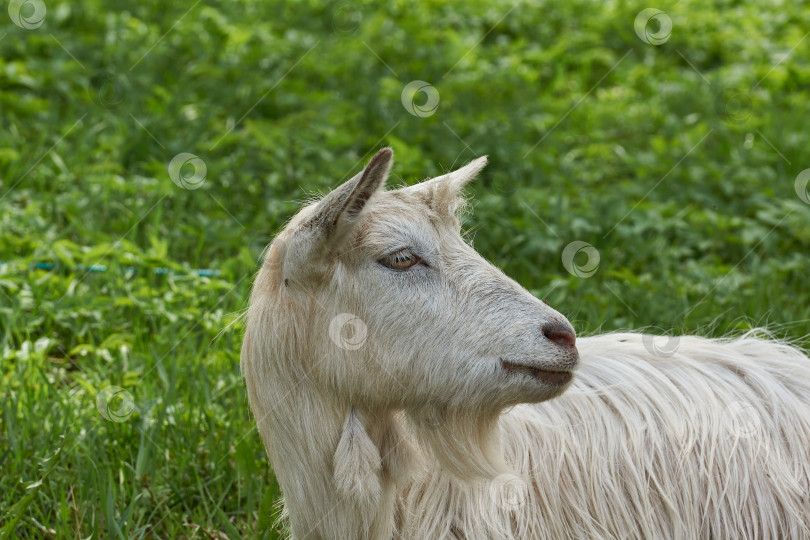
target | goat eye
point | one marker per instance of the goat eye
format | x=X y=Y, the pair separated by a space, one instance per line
x=401 y=260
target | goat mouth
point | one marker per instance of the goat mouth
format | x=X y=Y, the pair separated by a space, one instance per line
x=555 y=378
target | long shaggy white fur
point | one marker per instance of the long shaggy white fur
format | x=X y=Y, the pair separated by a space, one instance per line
x=448 y=415
x=712 y=442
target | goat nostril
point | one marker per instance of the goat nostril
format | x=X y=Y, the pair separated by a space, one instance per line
x=559 y=334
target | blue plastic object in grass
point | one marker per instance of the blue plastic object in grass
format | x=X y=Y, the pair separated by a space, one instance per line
x=201 y=272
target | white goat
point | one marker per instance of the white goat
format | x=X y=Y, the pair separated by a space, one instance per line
x=402 y=386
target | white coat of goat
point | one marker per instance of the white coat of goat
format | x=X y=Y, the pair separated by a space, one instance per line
x=403 y=387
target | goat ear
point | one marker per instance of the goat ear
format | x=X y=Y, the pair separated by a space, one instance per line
x=328 y=225
x=357 y=464
x=336 y=213
x=442 y=192
x=452 y=182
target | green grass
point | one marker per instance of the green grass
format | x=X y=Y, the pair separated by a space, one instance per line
x=677 y=162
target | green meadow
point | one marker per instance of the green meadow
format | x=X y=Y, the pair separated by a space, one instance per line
x=150 y=150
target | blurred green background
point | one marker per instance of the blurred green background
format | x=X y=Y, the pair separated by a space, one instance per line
x=678 y=162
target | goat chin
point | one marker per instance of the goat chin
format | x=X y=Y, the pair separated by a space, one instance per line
x=426 y=395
